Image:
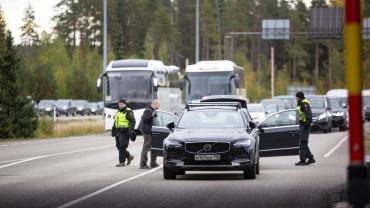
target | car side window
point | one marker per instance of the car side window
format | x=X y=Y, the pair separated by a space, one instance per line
x=285 y=118
x=168 y=118
x=163 y=119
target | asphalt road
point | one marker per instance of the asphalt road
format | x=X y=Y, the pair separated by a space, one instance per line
x=81 y=172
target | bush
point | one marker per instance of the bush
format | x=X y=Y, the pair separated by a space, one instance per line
x=46 y=127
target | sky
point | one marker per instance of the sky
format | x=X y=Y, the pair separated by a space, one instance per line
x=44 y=11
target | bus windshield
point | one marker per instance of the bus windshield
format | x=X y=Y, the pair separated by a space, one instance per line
x=130 y=85
x=209 y=83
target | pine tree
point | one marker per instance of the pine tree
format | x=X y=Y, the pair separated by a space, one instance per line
x=210 y=36
x=29 y=34
x=17 y=116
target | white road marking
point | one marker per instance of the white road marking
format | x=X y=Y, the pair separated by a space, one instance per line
x=336 y=147
x=9 y=161
x=51 y=155
x=69 y=204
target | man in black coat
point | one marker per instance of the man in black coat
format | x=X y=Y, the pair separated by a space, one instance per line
x=145 y=127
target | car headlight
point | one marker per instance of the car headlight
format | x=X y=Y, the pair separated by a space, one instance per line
x=171 y=144
x=243 y=143
x=322 y=116
x=48 y=109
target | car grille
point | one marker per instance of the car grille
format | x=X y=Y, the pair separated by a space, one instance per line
x=207 y=147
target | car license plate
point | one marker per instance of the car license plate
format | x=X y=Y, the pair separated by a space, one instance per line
x=207 y=157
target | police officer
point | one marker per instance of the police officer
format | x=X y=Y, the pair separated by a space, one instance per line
x=122 y=128
x=305 y=120
x=145 y=127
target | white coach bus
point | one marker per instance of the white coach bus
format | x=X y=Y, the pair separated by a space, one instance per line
x=221 y=77
x=139 y=82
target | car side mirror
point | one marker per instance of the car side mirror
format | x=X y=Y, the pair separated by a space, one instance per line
x=252 y=124
x=237 y=82
x=171 y=126
x=98 y=84
x=182 y=84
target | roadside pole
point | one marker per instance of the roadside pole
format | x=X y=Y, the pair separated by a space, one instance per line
x=357 y=172
x=272 y=72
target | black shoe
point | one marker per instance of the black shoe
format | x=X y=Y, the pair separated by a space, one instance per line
x=154 y=165
x=121 y=165
x=129 y=159
x=311 y=160
x=301 y=163
x=144 y=167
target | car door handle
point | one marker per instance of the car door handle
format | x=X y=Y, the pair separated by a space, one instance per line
x=154 y=133
x=293 y=132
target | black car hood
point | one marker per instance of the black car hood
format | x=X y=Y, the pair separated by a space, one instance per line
x=317 y=111
x=194 y=135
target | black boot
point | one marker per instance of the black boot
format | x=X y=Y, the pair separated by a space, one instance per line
x=311 y=160
x=301 y=163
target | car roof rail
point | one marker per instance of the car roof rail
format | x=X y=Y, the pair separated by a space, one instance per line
x=205 y=104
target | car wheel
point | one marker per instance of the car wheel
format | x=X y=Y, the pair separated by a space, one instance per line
x=343 y=128
x=258 y=167
x=250 y=173
x=67 y=114
x=168 y=173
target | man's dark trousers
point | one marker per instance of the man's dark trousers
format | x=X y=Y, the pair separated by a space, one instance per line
x=122 y=141
x=146 y=148
x=304 y=150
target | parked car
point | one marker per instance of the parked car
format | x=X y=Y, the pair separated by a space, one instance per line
x=257 y=111
x=341 y=93
x=366 y=107
x=82 y=107
x=96 y=108
x=339 y=110
x=46 y=107
x=321 y=112
x=65 y=107
x=217 y=136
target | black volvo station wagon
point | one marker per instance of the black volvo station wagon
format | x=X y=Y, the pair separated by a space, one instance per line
x=219 y=136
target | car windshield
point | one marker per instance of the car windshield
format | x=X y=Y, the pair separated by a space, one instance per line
x=209 y=83
x=255 y=108
x=131 y=85
x=77 y=103
x=201 y=119
x=93 y=105
x=45 y=104
x=316 y=102
x=62 y=102
x=366 y=100
x=335 y=103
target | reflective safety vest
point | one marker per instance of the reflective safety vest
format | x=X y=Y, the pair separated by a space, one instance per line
x=301 y=114
x=121 y=120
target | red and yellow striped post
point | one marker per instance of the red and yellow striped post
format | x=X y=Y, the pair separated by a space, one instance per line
x=357 y=173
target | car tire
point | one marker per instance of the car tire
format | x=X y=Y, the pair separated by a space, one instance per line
x=258 y=167
x=67 y=114
x=343 y=128
x=168 y=173
x=250 y=173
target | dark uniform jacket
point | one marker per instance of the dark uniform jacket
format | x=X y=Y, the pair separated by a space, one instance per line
x=306 y=108
x=146 y=122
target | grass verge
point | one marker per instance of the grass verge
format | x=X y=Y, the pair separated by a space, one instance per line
x=49 y=129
